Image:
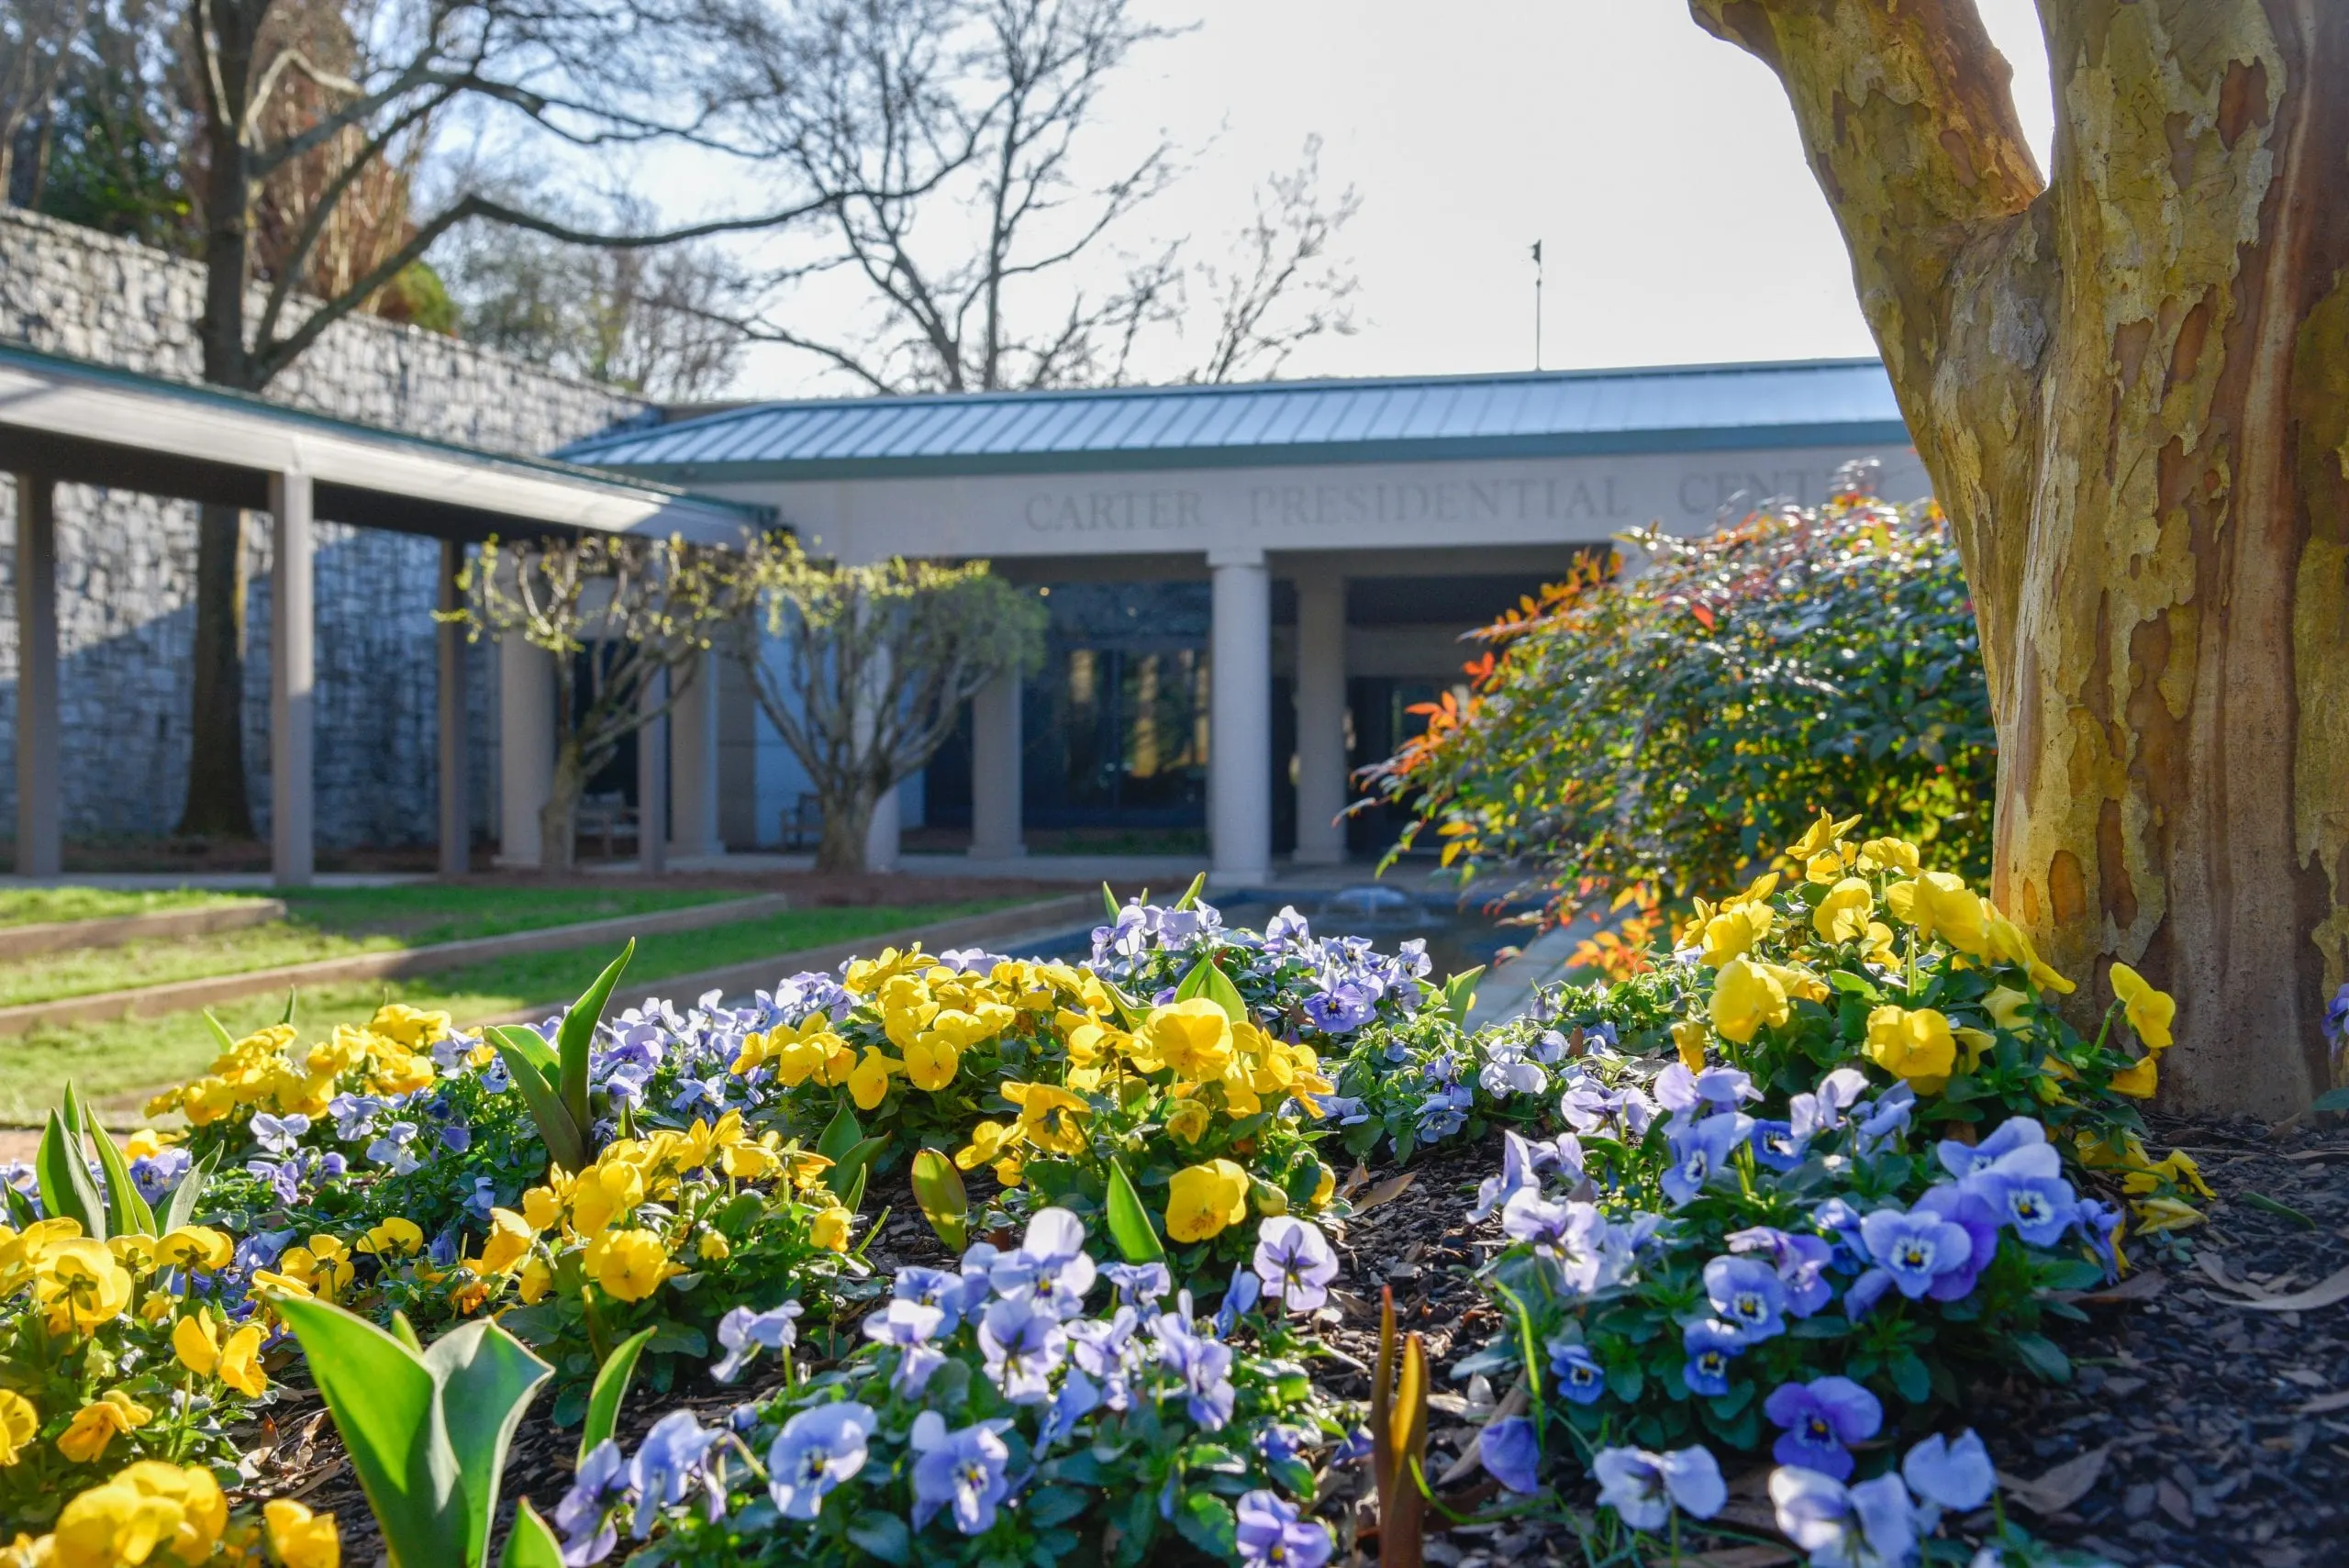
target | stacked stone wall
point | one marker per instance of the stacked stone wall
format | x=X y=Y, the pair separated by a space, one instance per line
x=126 y=562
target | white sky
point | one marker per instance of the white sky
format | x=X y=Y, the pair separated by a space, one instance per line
x=1659 y=166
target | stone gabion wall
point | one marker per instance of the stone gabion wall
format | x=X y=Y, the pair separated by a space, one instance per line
x=126 y=562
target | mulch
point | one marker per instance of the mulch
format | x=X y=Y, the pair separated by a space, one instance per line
x=2198 y=1432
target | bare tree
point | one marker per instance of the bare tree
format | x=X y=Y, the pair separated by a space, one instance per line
x=36 y=41
x=614 y=614
x=2130 y=382
x=876 y=663
x=573 y=76
x=1285 y=288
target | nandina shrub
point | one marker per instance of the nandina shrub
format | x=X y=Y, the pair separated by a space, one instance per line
x=1629 y=739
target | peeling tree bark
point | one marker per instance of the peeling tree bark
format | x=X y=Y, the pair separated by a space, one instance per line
x=2130 y=383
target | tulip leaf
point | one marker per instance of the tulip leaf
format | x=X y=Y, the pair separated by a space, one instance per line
x=848 y=1169
x=1130 y=1013
x=20 y=1211
x=1130 y=1225
x=1110 y=902
x=486 y=1379
x=566 y=1146
x=1460 y=995
x=180 y=1208
x=578 y=1034
x=388 y=1408
x=530 y=1044
x=531 y=1542
x=287 y=1016
x=611 y=1388
x=1191 y=894
x=842 y=1133
x=130 y=1212
x=220 y=1035
x=1207 y=980
x=938 y=1188
x=66 y=1190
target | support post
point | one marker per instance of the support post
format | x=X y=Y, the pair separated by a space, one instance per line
x=1321 y=718
x=39 y=831
x=292 y=664
x=525 y=745
x=652 y=779
x=456 y=802
x=692 y=764
x=1239 y=773
x=995 y=782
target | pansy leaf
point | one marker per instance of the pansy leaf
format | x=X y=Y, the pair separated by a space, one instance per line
x=883 y=1536
x=1130 y=1225
x=1207 y=1523
x=611 y=1388
x=2041 y=1355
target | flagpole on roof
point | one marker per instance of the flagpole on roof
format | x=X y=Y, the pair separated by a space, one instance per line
x=1537 y=305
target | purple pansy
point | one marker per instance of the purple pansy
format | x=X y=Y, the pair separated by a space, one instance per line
x=1823 y=1419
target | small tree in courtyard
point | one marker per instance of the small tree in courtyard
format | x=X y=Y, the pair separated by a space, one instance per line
x=875 y=666
x=614 y=613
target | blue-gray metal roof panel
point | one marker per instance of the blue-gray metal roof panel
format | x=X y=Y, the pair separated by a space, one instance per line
x=1799 y=402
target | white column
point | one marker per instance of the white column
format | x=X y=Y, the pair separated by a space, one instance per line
x=652 y=780
x=1240 y=722
x=1321 y=718
x=693 y=764
x=292 y=667
x=456 y=803
x=39 y=840
x=995 y=770
x=525 y=745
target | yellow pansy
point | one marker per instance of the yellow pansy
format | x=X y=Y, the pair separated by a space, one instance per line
x=1938 y=904
x=133 y=1252
x=2149 y=1012
x=1844 y=915
x=829 y=1229
x=394 y=1238
x=629 y=1264
x=2010 y=943
x=931 y=1061
x=1976 y=1042
x=1325 y=1186
x=2009 y=1008
x=2179 y=1168
x=508 y=1244
x=195 y=1247
x=2138 y=1080
x=143 y=1144
x=535 y=1280
x=1186 y=1120
x=989 y=1142
x=149 y=1508
x=411 y=1026
x=1688 y=1038
x=98 y=1423
x=541 y=1210
x=20 y=1420
x=869 y=1083
x=2167 y=1214
x=1204 y=1200
x=1746 y=997
x=713 y=1247
x=80 y=1285
x=605 y=1191
x=1734 y=931
x=1898 y=856
x=1821 y=837
x=867 y=976
x=300 y=1538
x=1192 y=1037
x=1915 y=1044
x=1049 y=1117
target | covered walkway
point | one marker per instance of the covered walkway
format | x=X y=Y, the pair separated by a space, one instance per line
x=66 y=421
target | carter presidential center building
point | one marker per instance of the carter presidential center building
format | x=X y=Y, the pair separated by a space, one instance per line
x=1248 y=587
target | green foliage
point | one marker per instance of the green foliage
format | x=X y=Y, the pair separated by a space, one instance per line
x=1641 y=734
x=427 y=1429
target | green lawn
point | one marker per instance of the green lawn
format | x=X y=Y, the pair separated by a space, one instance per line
x=109 y=1060
x=40 y=906
x=335 y=922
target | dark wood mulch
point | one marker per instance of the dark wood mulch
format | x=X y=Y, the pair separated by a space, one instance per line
x=2223 y=1429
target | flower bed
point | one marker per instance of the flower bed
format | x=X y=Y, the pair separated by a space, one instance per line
x=1788 y=1193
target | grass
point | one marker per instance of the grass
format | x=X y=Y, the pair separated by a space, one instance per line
x=110 y=1060
x=42 y=906
x=334 y=922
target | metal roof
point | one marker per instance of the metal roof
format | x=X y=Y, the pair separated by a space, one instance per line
x=93 y=424
x=1536 y=413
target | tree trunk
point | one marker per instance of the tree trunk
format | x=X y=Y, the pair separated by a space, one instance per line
x=217 y=803
x=558 y=817
x=848 y=823
x=2130 y=387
